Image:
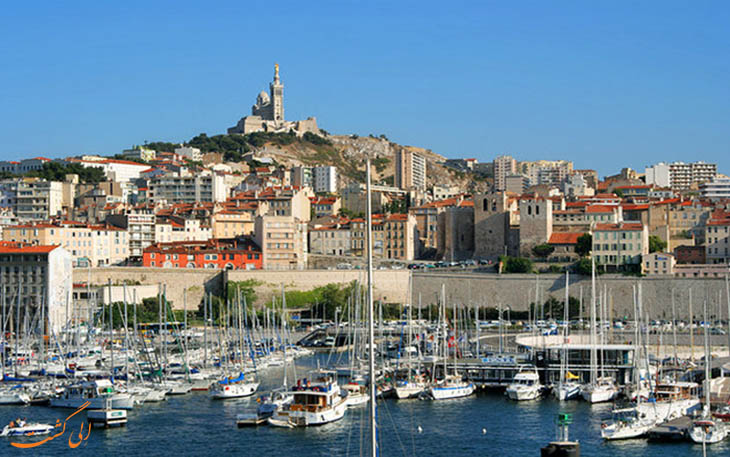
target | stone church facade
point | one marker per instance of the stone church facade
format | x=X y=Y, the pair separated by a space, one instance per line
x=267 y=115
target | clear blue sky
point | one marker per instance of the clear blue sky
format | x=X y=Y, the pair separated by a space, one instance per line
x=603 y=83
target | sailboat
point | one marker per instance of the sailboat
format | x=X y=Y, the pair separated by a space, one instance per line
x=415 y=383
x=568 y=387
x=452 y=386
x=600 y=389
x=707 y=430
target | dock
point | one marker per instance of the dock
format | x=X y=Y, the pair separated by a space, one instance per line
x=673 y=430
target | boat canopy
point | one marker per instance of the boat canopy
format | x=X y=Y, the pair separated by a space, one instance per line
x=232 y=380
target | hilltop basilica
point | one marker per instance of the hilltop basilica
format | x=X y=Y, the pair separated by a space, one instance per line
x=267 y=115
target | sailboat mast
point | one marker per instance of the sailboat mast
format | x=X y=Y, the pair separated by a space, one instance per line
x=594 y=353
x=371 y=327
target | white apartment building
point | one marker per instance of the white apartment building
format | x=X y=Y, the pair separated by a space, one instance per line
x=186 y=187
x=32 y=199
x=115 y=170
x=717 y=189
x=503 y=166
x=325 y=179
x=680 y=175
x=43 y=276
x=140 y=152
x=88 y=245
x=180 y=229
x=140 y=227
x=283 y=242
x=410 y=170
x=24 y=166
x=190 y=153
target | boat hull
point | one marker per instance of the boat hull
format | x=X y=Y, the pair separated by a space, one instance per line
x=449 y=392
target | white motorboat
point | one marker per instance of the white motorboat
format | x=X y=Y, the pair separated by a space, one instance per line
x=525 y=386
x=451 y=387
x=316 y=402
x=357 y=394
x=233 y=388
x=14 y=397
x=708 y=431
x=603 y=390
x=268 y=404
x=23 y=428
x=96 y=393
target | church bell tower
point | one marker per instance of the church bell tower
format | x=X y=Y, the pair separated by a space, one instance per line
x=277 y=95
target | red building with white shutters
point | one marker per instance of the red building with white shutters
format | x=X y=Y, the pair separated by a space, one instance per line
x=231 y=253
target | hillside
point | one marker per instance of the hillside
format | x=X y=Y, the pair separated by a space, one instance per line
x=347 y=153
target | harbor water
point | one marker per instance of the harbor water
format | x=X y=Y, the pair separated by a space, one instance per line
x=484 y=424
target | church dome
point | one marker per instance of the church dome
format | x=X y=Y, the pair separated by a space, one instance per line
x=262 y=99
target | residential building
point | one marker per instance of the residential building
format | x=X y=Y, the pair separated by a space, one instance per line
x=690 y=255
x=230 y=223
x=115 y=170
x=618 y=245
x=444 y=192
x=302 y=177
x=516 y=184
x=658 y=264
x=564 y=244
x=88 y=245
x=331 y=239
x=280 y=201
x=239 y=253
x=325 y=179
x=190 y=153
x=325 y=206
x=34 y=199
x=576 y=185
x=545 y=172
x=140 y=227
x=283 y=242
x=716 y=189
x=139 y=153
x=186 y=187
x=680 y=175
x=503 y=166
x=717 y=238
x=179 y=229
x=23 y=166
x=32 y=277
x=410 y=170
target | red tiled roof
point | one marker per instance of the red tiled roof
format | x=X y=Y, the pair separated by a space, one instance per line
x=634 y=207
x=564 y=238
x=600 y=209
x=19 y=248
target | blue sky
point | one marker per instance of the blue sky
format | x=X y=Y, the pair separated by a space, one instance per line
x=603 y=83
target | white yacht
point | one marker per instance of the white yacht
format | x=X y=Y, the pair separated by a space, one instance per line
x=603 y=390
x=316 y=402
x=410 y=388
x=451 y=387
x=95 y=392
x=14 y=396
x=627 y=423
x=233 y=388
x=525 y=386
x=708 y=431
x=357 y=394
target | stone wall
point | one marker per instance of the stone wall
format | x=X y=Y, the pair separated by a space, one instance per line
x=517 y=291
x=390 y=285
x=177 y=280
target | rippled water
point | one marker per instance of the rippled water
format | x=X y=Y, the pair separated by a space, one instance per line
x=196 y=425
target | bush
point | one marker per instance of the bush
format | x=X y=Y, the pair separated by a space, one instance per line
x=543 y=250
x=515 y=264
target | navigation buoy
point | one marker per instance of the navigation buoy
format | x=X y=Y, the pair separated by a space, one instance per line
x=420 y=430
x=484 y=431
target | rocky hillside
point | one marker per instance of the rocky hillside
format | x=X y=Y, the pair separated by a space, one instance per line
x=348 y=154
